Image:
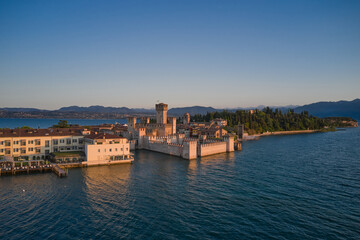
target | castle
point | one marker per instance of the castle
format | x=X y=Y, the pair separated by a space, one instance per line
x=163 y=137
x=103 y=144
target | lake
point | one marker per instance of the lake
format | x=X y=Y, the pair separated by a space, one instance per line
x=46 y=123
x=279 y=187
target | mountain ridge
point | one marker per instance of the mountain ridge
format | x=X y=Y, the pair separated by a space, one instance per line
x=320 y=109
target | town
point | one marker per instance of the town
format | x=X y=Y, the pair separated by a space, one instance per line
x=57 y=148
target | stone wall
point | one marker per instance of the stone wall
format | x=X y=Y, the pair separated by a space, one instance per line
x=211 y=148
x=187 y=148
x=132 y=144
x=167 y=148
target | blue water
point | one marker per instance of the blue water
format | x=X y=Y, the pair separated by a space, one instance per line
x=45 y=123
x=281 y=187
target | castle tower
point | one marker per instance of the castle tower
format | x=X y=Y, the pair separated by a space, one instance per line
x=229 y=139
x=172 y=121
x=186 y=119
x=240 y=131
x=145 y=120
x=131 y=123
x=161 y=113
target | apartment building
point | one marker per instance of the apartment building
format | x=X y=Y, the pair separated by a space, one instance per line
x=37 y=144
x=104 y=148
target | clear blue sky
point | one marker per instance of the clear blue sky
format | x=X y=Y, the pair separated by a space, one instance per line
x=211 y=53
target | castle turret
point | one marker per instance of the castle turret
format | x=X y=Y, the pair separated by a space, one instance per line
x=161 y=113
x=229 y=139
x=145 y=120
x=172 y=121
x=131 y=123
x=189 y=150
x=186 y=118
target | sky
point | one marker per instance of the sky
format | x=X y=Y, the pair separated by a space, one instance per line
x=218 y=53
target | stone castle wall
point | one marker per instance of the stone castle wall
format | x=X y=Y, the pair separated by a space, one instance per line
x=188 y=148
x=132 y=144
x=167 y=148
x=211 y=148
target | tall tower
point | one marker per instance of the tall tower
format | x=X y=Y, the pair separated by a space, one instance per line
x=131 y=122
x=186 y=119
x=161 y=113
x=172 y=121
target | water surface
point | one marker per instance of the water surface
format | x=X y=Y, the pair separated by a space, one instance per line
x=280 y=187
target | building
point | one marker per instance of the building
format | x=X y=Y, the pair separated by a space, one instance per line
x=219 y=122
x=35 y=144
x=104 y=148
x=213 y=132
x=60 y=144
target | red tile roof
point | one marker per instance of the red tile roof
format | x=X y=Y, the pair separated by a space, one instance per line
x=40 y=132
x=103 y=136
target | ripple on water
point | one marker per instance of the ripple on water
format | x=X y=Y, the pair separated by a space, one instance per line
x=284 y=187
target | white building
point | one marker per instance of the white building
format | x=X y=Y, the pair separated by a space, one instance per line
x=104 y=148
x=64 y=145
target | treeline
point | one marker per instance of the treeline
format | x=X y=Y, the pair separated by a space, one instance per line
x=260 y=121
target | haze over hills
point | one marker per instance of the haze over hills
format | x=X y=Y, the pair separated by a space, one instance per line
x=320 y=109
x=333 y=109
x=192 y=110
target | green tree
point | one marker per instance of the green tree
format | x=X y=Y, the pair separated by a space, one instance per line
x=62 y=124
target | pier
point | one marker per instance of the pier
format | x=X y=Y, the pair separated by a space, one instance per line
x=8 y=166
x=60 y=172
x=25 y=169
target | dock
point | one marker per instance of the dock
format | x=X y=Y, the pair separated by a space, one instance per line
x=60 y=172
x=25 y=169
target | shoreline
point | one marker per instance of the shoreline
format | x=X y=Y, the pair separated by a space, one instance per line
x=278 y=133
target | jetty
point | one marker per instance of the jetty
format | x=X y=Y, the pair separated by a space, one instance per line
x=60 y=172
x=8 y=166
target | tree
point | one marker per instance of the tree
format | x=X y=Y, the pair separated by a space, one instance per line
x=62 y=124
x=24 y=127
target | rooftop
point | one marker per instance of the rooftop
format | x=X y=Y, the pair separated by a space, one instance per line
x=103 y=136
x=40 y=132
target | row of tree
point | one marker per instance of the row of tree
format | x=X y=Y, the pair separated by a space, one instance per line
x=259 y=121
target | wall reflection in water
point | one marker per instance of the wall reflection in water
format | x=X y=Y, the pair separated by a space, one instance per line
x=210 y=164
x=106 y=188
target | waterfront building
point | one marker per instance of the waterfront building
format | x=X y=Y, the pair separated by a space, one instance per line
x=59 y=144
x=104 y=148
x=36 y=144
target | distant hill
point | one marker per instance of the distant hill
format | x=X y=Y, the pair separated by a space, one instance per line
x=319 y=109
x=97 y=109
x=22 y=109
x=191 y=110
x=333 y=109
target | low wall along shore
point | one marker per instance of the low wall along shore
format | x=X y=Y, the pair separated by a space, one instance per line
x=288 y=132
x=186 y=148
